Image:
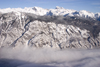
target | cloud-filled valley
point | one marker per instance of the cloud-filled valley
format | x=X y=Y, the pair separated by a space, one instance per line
x=49 y=57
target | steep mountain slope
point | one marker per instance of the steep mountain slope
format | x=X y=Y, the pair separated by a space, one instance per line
x=27 y=29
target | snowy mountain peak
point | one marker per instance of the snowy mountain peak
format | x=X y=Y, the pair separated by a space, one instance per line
x=86 y=12
x=57 y=7
x=97 y=14
x=38 y=8
x=55 y=12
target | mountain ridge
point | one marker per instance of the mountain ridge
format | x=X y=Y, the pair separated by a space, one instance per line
x=55 y=12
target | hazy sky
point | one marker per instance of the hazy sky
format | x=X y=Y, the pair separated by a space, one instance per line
x=89 y=5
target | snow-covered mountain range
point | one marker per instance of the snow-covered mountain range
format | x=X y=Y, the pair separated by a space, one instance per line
x=56 y=28
x=57 y=11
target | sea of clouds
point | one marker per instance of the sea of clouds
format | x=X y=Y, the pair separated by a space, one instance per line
x=49 y=57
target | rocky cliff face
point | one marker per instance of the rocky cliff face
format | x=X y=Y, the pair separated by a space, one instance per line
x=17 y=29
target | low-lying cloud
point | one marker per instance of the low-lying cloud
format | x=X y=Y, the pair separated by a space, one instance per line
x=49 y=57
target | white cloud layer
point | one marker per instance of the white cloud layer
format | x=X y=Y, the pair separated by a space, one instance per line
x=49 y=57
